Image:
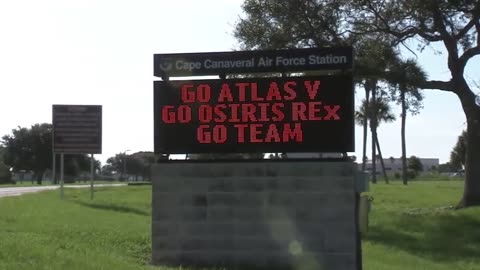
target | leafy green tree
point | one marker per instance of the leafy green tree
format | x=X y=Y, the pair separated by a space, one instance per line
x=405 y=76
x=139 y=164
x=5 y=174
x=30 y=149
x=452 y=24
x=458 y=154
x=270 y=24
x=297 y=24
x=108 y=170
x=116 y=163
x=447 y=167
x=415 y=165
x=2 y=152
x=148 y=159
x=455 y=25
x=136 y=164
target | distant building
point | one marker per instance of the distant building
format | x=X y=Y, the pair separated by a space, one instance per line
x=394 y=165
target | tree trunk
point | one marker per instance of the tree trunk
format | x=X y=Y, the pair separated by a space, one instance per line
x=39 y=177
x=471 y=195
x=373 y=125
x=381 y=160
x=404 y=144
x=365 y=127
x=374 y=157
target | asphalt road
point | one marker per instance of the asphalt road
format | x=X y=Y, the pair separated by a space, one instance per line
x=16 y=191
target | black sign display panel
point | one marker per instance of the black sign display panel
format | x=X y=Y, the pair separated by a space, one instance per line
x=297 y=114
x=196 y=64
x=77 y=129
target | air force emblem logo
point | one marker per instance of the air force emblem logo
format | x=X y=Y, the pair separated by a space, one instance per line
x=165 y=66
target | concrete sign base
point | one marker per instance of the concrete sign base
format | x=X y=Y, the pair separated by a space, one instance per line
x=267 y=214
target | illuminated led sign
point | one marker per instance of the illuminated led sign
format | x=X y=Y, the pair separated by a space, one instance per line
x=293 y=114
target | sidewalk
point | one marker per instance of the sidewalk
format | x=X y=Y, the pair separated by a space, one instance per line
x=16 y=191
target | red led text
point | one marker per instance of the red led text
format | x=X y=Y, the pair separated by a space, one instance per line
x=246 y=112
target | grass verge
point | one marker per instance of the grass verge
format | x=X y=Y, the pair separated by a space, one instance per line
x=39 y=231
x=415 y=227
x=411 y=227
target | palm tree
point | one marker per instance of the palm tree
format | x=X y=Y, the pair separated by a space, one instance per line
x=373 y=56
x=405 y=76
x=377 y=111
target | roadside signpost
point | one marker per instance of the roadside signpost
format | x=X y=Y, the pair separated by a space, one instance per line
x=302 y=113
x=77 y=129
x=234 y=213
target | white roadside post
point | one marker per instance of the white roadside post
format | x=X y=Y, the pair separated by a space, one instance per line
x=54 y=169
x=92 y=172
x=61 y=175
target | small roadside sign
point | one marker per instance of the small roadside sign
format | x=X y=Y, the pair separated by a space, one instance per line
x=77 y=129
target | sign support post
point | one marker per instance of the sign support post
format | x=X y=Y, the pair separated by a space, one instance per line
x=61 y=174
x=54 y=169
x=92 y=170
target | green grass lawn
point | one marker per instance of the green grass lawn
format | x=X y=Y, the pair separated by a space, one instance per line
x=39 y=231
x=411 y=228
x=414 y=227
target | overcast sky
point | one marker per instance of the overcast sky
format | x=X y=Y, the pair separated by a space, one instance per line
x=101 y=52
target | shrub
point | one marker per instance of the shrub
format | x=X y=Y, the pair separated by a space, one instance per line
x=411 y=174
x=5 y=174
